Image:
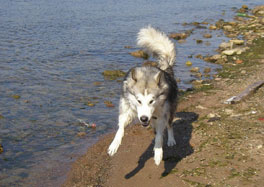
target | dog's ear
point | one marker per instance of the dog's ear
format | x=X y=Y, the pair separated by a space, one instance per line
x=157 y=77
x=133 y=74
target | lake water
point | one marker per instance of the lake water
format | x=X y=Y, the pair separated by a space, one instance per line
x=51 y=54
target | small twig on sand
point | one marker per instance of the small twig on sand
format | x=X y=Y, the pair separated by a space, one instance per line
x=249 y=90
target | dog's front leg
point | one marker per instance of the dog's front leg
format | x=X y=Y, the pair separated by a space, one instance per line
x=126 y=116
x=158 y=152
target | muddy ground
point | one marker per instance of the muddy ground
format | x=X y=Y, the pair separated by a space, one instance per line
x=217 y=144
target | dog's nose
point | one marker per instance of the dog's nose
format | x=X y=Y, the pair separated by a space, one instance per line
x=144 y=119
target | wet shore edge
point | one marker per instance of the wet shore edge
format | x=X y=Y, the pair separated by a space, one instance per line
x=200 y=112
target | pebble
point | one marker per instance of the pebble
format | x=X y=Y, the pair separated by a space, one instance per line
x=238 y=61
x=16 y=96
x=229 y=111
x=207 y=70
x=212 y=115
x=212 y=27
x=199 y=41
x=195 y=69
x=1 y=149
x=225 y=45
x=229 y=52
x=237 y=42
x=109 y=104
x=207 y=36
x=188 y=63
x=228 y=28
x=81 y=134
x=243 y=72
x=178 y=36
x=201 y=107
x=181 y=41
x=139 y=54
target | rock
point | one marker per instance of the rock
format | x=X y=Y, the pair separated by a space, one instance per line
x=229 y=52
x=238 y=61
x=216 y=57
x=197 y=84
x=241 y=50
x=258 y=10
x=207 y=36
x=213 y=58
x=140 y=54
x=97 y=83
x=81 y=134
x=178 y=36
x=188 y=63
x=181 y=41
x=237 y=42
x=225 y=45
x=113 y=74
x=212 y=27
x=220 y=23
x=243 y=9
x=261 y=21
x=228 y=28
x=245 y=6
x=195 y=69
x=198 y=75
x=243 y=72
x=212 y=115
x=229 y=111
x=207 y=70
x=16 y=96
x=201 y=107
x=89 y=103
x=199 y=41
x=199 y=56
x=109 y=104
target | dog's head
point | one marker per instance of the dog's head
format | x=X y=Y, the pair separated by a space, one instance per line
x=147 y=91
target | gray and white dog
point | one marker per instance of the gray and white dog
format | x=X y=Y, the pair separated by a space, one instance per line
x=150 y=93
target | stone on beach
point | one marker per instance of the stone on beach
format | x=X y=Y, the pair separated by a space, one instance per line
x=237 y=42
x=178 y=36
x=140 y=54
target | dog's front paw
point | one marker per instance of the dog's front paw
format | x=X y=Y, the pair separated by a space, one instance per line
x=158 y=154
x=171 y=142
x=113 y=148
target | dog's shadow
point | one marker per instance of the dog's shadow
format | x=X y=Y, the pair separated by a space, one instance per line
x=171 y=155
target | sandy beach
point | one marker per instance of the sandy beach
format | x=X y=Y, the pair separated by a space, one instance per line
x=218 y=144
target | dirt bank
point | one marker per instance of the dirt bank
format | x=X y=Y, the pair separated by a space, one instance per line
x=217 y=144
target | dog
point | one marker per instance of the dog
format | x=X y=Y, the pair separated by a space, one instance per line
x=150 y=93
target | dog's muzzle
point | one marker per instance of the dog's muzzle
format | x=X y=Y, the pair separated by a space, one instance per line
x=144 y=120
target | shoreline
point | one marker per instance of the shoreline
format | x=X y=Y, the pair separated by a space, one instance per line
x=211 y=149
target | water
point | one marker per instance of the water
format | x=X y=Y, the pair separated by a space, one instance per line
x=51 y=53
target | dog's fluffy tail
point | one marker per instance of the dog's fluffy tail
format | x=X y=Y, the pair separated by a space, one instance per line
x=159 y=45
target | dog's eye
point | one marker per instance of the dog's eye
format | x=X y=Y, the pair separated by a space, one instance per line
x=139 y=101
x=151 y=101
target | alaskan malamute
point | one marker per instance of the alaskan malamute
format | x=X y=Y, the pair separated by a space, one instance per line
x=150 y=93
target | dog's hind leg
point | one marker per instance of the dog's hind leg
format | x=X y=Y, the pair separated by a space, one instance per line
x=126 y=116
x=171 y=140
